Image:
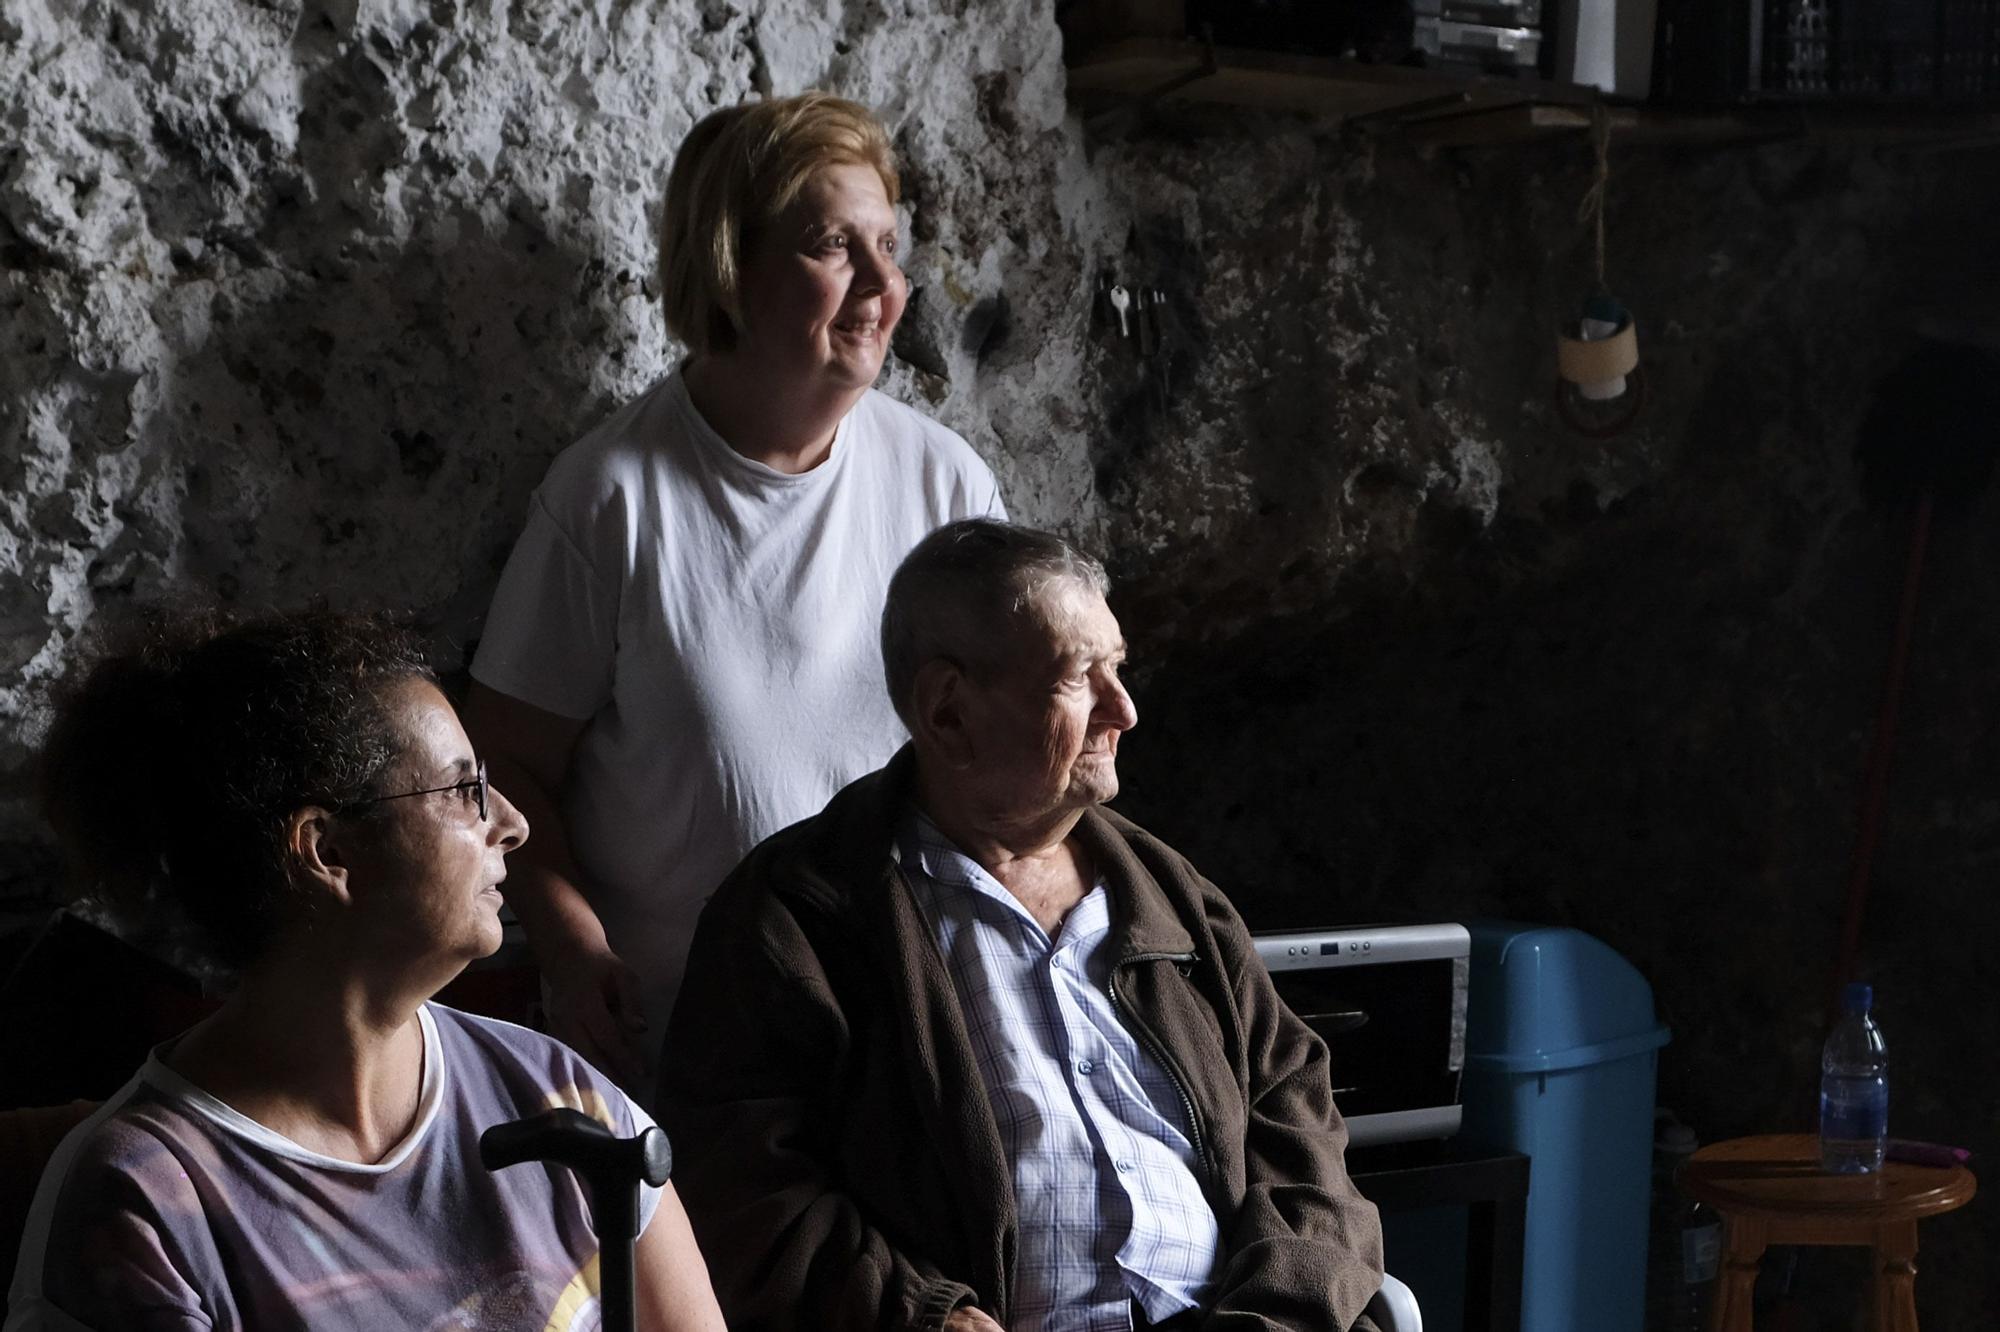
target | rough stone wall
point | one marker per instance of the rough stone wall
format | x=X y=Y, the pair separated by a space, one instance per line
x=300 y=298
x=1411 y=649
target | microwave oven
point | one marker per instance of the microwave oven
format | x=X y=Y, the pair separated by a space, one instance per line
x=1389 y=1001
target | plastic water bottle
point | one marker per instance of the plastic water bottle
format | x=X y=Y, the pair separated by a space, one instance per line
x=1853 y=1090
x=1686 y=1238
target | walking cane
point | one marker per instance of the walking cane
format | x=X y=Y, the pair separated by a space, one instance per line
x=611 y=1168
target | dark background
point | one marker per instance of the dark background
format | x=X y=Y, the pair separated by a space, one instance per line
x=297 y=301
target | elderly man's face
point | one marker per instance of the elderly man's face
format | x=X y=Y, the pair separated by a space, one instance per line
x=1045 y=727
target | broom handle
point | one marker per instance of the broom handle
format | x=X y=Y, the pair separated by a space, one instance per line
x=1875 y=783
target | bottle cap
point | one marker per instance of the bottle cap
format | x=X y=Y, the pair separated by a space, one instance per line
x=1857 y=998
x=1675 y=1139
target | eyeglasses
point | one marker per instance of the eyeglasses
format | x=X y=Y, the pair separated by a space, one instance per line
x=476 y=784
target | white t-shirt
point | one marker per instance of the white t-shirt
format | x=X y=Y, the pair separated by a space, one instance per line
x=168 y=1211
x=717 y=624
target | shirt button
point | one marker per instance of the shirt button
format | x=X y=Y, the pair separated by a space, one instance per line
x=1085 y=1067
x=1124 y=1167
x=1056 y=961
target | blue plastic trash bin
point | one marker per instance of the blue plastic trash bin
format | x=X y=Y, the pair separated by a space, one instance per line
x=1560 y=1046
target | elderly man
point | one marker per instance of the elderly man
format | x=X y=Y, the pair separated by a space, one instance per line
x=966 y=1051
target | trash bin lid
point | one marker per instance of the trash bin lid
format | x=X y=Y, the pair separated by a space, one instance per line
x=1545 y=998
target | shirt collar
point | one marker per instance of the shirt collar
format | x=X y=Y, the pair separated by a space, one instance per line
x=921 y=846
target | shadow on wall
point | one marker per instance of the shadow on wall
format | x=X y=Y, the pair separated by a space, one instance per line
x=372 y=434
x=384 y=375
x=1647 y=723
x=364 y=357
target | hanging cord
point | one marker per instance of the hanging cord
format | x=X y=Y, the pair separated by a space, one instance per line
x=1591 y=210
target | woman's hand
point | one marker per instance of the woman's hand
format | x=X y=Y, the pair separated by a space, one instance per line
x=595 y=1006
x=968 y=1319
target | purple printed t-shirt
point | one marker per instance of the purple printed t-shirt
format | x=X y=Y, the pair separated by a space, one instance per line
x=168 y=1210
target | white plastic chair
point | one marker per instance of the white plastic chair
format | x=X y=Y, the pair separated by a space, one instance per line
x=1394 y=1307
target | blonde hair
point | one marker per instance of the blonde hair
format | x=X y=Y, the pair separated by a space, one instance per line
x=736 y=171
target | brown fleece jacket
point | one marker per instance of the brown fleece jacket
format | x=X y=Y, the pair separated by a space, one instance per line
x=832 y=1140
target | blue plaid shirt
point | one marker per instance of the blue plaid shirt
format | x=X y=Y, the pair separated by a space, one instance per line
x=1110 y=1208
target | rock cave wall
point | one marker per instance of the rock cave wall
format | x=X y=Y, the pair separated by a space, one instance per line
x=300 y=298
x=1412 y=649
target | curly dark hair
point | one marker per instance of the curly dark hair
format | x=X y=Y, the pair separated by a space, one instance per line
x=175 y=759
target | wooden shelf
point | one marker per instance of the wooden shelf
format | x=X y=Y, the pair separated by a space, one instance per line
x=1437 y=109
x=1927 y=130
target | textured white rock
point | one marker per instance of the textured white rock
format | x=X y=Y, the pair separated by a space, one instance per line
x=300 y=298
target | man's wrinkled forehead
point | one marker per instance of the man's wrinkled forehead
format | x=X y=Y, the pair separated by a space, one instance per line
x=1065 y=620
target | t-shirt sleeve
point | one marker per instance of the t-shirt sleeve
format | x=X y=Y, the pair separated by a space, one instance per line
x=551 y=637
x=981 y=489
x=127 y=1282
x=637 y=1121
x=112 y=1253
x=976 y=493
x=580 y=1086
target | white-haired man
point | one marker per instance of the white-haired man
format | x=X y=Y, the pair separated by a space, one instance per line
x=966 y=1051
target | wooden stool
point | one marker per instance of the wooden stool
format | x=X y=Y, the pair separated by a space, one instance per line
x=1771 y=1190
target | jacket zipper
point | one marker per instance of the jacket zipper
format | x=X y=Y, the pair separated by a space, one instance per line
x=1159 y=1051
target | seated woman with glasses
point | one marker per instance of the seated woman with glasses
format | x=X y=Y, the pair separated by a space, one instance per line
x=298 y=791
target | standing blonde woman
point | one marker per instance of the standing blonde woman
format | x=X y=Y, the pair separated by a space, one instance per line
x=681 y=657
